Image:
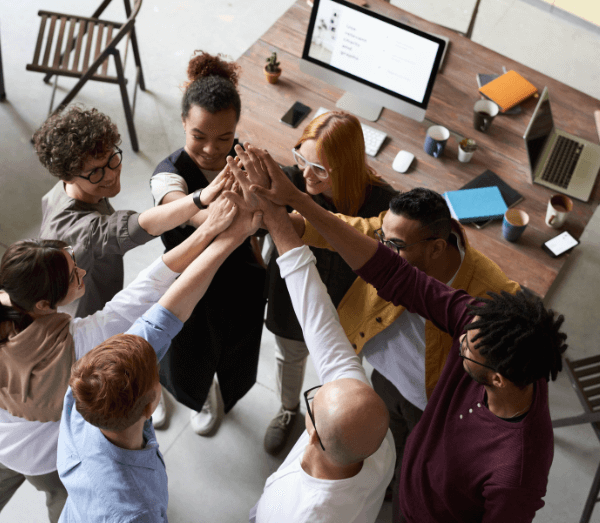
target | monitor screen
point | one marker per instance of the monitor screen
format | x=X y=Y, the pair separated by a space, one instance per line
x=377 y=52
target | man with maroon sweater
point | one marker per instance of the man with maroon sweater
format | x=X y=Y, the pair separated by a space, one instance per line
x=483 y=448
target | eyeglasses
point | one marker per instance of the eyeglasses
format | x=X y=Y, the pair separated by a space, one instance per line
x=75 y=272
x=312 y=418
x=302 y=162
x=461 y=351
x=97 y=174
x=397 y=246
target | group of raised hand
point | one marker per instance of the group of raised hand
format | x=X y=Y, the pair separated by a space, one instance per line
x=251 y=191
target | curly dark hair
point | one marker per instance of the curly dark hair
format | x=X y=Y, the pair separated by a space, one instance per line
x=212 y=84
x=68 y=139
x=518 y=336
x=425 y=206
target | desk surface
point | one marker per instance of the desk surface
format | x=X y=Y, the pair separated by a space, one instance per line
x=501 y=149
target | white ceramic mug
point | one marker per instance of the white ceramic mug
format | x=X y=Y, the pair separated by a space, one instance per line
x=559 y=207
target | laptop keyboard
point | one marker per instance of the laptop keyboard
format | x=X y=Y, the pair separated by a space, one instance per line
x=562 y=161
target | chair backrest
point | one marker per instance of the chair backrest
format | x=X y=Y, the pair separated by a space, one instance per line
x=585 y=378
x=98 y=45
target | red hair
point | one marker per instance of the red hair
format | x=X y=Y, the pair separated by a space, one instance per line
x=113 y=383
x=339 y=139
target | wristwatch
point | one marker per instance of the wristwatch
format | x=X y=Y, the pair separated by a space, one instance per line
x=196 y=199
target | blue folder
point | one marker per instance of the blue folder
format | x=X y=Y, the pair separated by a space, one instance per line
x=482 y=203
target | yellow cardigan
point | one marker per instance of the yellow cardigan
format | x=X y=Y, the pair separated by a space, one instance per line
x=363 y=314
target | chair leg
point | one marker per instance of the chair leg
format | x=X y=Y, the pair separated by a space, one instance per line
x=138 y=61
x=2 y=91
x=126 y=106
x=592 y=498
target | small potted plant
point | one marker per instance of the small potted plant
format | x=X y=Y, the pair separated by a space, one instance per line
x=466 y=148
x=272 y=69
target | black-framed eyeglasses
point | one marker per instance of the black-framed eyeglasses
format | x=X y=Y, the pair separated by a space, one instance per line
x=461 y=351
x=97 y=175
x=308 y=396
x=75 y=272
x=319 y=170
x=396 y=245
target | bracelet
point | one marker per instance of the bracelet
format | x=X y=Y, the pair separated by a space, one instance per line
x=196 y=199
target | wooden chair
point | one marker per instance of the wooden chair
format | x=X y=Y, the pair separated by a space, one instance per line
x=85 y=52
x=585 y=378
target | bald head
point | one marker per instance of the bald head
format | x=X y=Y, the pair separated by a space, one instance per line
x=351 y=420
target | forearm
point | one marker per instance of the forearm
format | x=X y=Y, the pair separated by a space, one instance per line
x=167 y=216
x=325 y=338
x=282 y=228
x=355 y=247
x=188 y=289
x=199 y=218
x=181 y=256
x=298 y=223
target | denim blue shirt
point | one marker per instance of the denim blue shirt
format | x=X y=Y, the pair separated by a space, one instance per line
x=107 y=483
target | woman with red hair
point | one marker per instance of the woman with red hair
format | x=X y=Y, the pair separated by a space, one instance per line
x=331 y=166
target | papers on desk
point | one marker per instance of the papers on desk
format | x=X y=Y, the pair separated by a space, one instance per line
x=482 y=203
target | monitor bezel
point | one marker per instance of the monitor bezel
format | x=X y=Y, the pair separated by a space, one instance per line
x=414 y=30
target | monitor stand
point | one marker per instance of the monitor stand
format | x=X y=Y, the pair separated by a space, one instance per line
x=359 y=106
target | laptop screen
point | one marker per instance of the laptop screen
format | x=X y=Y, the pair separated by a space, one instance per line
x=539 y=129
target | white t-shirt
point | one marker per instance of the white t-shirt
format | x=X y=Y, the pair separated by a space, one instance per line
x=398 y=351
x=29 y=447
x=290 y=494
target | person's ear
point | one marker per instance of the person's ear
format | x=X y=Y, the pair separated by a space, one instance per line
x=438 y=247
x=499 y=381
x=42 y=306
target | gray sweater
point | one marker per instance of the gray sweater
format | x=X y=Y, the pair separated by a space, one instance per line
x=99 y=235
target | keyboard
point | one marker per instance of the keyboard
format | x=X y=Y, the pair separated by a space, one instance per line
x=373 y=137
x=562 y=161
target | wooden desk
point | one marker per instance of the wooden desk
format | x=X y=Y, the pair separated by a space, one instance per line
x=502 y=149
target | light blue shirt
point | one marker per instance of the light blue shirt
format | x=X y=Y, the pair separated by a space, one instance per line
x=107 y=483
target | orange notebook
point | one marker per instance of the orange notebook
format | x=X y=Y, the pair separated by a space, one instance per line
x=508 y=90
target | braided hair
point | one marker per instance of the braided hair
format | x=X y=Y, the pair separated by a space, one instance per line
x=518 y=336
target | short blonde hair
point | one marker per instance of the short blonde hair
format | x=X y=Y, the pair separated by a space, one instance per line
x=339 y=139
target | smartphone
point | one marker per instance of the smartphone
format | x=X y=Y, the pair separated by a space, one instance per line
x=295 y=114
x=559 y=244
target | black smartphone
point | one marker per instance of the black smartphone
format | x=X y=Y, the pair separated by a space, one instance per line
x=559 y=244
x=295 y=114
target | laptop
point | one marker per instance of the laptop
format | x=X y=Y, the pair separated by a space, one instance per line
x=560 y=160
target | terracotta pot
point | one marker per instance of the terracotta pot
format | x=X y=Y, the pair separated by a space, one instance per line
x=272 y=77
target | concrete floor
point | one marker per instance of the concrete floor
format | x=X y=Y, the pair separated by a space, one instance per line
x=217 y=479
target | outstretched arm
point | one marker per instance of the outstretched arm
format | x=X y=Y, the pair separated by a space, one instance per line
x=353 y=246
x=220 y=215
x=176 y=208
x=325 y=338
x=188 y=289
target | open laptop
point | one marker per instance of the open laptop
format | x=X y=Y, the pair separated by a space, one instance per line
x=560 y=160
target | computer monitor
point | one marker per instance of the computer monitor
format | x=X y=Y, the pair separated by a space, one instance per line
x=379 y=62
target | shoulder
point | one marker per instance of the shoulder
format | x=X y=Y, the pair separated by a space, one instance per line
x=169 y=164
x=478 y=274
x=377 y=199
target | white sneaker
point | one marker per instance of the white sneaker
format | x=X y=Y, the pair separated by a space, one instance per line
x=205 y=420
x=159 y=416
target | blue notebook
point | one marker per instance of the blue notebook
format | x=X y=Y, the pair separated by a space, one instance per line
x=470 y=205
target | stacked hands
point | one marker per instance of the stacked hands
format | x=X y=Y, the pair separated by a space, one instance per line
x=250 y=192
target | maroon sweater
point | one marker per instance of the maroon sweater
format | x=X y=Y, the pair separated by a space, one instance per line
x=461 y=462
